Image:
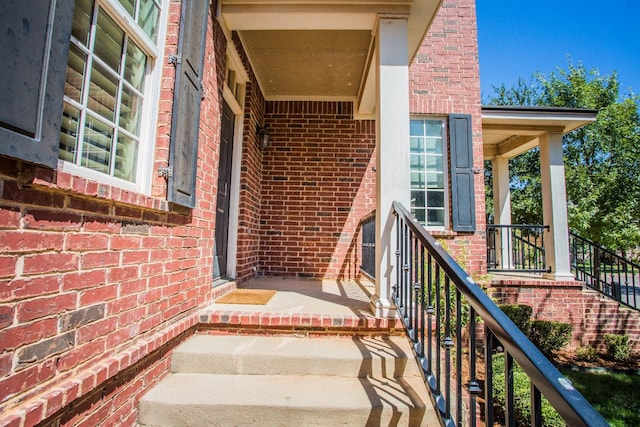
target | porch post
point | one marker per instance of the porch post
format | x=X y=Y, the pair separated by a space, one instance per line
x=554 y=207
x=392 y=148
x=502 y=210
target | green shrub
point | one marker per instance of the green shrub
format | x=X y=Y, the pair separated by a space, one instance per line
x=519 y=314
x=522 y=397
x=586 y=354
x=550 y=335
x=618 y=347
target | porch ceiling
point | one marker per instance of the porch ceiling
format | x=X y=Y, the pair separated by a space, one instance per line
x=319 y=49
x=510 y=131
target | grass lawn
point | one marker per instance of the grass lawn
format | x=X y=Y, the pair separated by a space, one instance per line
x=615 y=395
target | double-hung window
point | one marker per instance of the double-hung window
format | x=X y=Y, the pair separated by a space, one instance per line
x=428 y=178
x=110 y=88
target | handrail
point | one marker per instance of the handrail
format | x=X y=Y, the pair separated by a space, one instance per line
x=424 y=299
x=521 y=247
x=605 y=271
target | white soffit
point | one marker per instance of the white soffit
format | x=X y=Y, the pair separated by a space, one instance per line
x=319 y=49
x=510 y=131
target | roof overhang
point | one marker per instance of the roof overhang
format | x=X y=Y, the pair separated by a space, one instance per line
x=510 y=131
x=319 y=49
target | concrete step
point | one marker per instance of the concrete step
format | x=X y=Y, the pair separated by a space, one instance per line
x=362 y=357
x=198 y=399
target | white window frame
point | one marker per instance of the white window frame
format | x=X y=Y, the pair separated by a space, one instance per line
x=445 y=167
x=151 y=94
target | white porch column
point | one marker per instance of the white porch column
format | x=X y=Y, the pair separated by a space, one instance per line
x=392 y=151
x=502 y=210
x=554 y=207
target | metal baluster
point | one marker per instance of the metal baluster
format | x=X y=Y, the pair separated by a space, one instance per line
x=536 y=407
x=408 y=266
x=437 y=333
x=509 y=413
x=422 y=300
x=448 y=343
x=474 y=387
x=458 y=362
x=488 y=380
x=430 y=313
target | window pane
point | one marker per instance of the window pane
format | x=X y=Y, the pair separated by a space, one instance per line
x=419 y=214
x=135 y=65
x=126 y=158
x=82 y=21
x=416 y=128
x=417 y=162
x=434 y=145
x=109 y=41
x=435 y=180
x=435 y=217
x=69 y=133
x=130 y=109
x=148 y=18
x=129 y=5
x=102 y=92
x=434 y=128
x=417 y=199
x=96 y=151
x=417 y=180
x=75 y=73
x=417 y=145
x=434 y=163
x=435 y=199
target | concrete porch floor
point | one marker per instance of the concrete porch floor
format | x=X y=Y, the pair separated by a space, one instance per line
x=315 y=305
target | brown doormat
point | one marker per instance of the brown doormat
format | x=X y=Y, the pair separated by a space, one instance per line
x=247 y=296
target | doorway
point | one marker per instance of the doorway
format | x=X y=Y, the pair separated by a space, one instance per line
x=224 y=193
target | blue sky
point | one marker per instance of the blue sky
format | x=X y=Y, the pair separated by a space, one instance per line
x=518 y=38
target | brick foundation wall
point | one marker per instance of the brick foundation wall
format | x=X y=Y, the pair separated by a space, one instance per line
x=318 y=182
x=590 y=314
x=89 y=273
x=444 y=78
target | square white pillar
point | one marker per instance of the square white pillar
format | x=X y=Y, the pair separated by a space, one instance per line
x=392 y=148
x=554 y=207
x=502 y=210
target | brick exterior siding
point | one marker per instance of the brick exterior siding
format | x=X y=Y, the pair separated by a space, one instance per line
x=444 y=79
x=96 y=282
x=318 y=182
x=590 y=314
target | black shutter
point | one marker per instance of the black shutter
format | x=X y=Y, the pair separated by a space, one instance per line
x=462 y=175
x=187 y=97
x=34 y=47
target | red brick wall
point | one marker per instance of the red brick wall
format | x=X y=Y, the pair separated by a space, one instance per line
x=88 y=272
x=591 y=314
x=444 y=78
x=318 y=182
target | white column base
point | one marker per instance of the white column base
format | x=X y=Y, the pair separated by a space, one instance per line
x=559 y=277
x=381 y=307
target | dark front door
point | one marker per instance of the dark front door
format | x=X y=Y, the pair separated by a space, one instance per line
x=224 y=193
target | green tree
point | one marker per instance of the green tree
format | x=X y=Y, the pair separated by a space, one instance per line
x=602 y=160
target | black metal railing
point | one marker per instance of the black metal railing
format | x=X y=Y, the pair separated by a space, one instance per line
x=516 y=248
x=368 y=230
x=441 y=306
x=605 y=271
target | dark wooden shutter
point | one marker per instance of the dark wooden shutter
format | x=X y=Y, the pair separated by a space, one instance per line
x=34 y=47
x=187 y=97
x=462 y=175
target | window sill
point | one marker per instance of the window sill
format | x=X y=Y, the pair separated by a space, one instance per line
x=442 y=233
x=66 y=181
